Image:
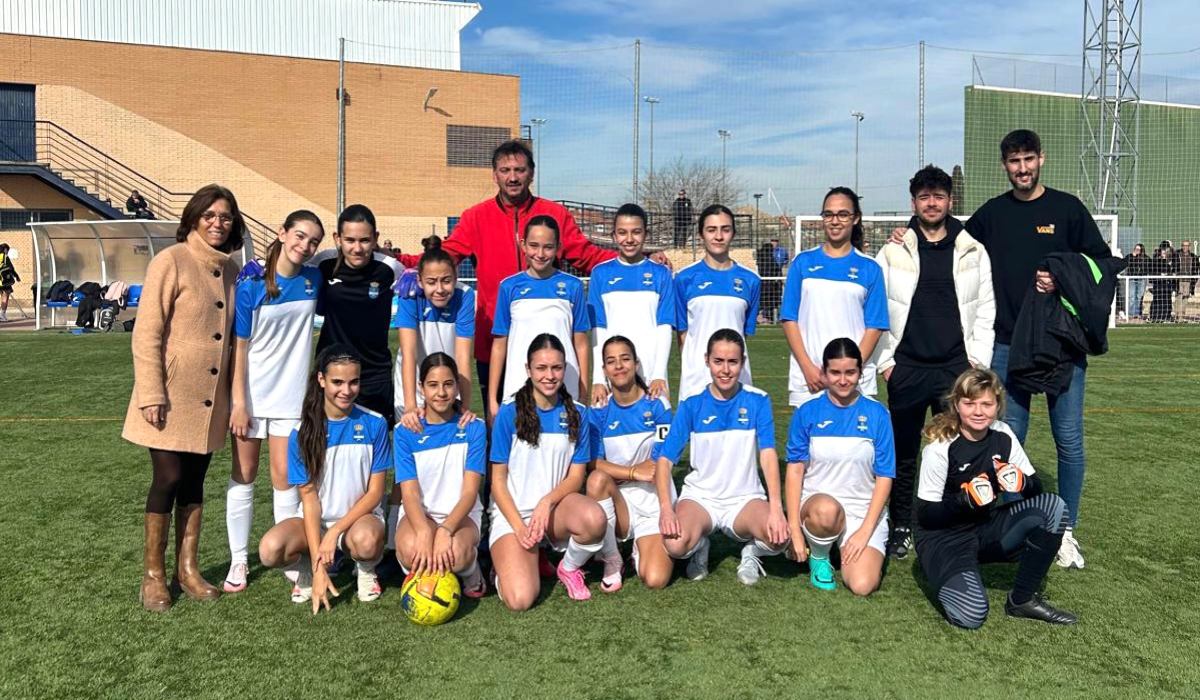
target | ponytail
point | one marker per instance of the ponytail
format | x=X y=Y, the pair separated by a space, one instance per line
x=276 y=247
x=529 y=428
x=434 y=254
x=313 y=431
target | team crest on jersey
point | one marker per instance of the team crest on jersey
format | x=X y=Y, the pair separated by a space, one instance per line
x=308 y=288
x=742 y=416
x=373 y=290
x=562 y=420
x=647 y=419
x=738 y=285
x=862 y=424
x=359 y=433
x=853 y=273
x=562 y=289
x=461 y=434
x=647 y=278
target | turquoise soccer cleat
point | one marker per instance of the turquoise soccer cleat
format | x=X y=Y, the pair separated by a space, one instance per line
x=821 y=574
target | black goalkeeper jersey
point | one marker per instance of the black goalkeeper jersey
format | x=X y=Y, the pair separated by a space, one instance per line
x=357 y=306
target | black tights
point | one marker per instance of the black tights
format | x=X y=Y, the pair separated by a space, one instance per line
x=178 y=480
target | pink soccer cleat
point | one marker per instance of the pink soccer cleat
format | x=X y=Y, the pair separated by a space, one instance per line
x=573 y=581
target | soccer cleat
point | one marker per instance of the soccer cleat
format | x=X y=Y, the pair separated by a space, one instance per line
x=750 y=569
x=900 y=541
x=697 y=566
x=573 y=581
x=235 y=580
x=302 y=590
x=611 y=580
x=1070 y=554
x=369 y=589
x=545 y=568
x=1036 y=608
x=475 y=586
x=820 y=574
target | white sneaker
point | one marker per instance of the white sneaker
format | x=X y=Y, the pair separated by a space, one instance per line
x=235 y=580
x=369 y=589
x=750 y=569
x=697 y=566
x=1070 y=554
x=303 y=588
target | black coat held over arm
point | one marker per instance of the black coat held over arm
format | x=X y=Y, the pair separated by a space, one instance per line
x=1054 y=331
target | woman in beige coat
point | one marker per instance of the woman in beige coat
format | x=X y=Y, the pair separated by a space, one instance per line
x=181 y=370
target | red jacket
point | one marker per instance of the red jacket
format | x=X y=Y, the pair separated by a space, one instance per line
x=491 y=232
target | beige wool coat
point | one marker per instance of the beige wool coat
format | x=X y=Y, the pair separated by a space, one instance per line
x=182 y=349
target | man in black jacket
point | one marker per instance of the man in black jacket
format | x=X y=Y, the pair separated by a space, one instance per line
x=1019 y=229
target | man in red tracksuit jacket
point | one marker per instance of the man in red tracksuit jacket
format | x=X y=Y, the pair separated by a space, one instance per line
x=492 y=231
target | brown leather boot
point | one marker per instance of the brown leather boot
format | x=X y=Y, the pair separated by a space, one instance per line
x=187 y=542
x=155 y=595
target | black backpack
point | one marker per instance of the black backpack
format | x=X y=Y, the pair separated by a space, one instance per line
x=61 y=291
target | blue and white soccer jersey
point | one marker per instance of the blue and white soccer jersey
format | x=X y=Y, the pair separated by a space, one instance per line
x=844 y=450
x=527 y=307
x=357 y=447
x=533 y=471
x=438 y=459
x=726 y=436
x=629 y=435
x=638 y=302
x=280 y=335
x=831 y=298
x=708 y=300
x=437 y=330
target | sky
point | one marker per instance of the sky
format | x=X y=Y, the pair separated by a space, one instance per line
x=783 y=78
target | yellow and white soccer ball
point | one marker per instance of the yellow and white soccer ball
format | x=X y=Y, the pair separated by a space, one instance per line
x=430 y=599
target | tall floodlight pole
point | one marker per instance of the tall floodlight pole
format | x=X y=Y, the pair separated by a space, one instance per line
x=757 y=196
x=651 y=101
x=724 y=135
x=1112 y=72
x=537 y=152
x=341 y=163
x=858 y=117
x=637 y=113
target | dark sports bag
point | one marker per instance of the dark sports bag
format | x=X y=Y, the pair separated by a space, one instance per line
x=61 y=291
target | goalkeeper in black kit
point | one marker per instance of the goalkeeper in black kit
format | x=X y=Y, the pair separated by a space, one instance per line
x=979 y=501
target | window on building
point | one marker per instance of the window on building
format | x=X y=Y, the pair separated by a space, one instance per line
x=472 y=146
x=15 y=219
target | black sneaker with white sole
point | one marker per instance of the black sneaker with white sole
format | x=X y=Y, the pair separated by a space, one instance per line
x=900 y=541
x=1036 y=608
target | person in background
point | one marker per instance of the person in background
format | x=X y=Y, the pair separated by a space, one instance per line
x=8 y=277
x=1137 y=264
x=681 y=215
x=764 y=258
x=1186 y=265
x=179 y=408
x=136 y=205
x=1162 y=285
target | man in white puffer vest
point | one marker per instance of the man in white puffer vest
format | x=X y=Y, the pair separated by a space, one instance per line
x=941 y=309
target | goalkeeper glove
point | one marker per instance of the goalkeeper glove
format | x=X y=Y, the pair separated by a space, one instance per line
x=253 y=268
x=1011 y=479
x=978 y=492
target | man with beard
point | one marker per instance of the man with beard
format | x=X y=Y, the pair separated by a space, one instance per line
x=1019 y=229
x=941 y=310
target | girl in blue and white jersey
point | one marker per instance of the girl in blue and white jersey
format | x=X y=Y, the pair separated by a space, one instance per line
x=731 y=431
x=841 y=462
x=339 y=458
x=626 y=433
x=539 y=300
x=439 y=470
x=273 y=324
x=632 y=296
x=712 y=293
x=832 y=291
x=539 y=453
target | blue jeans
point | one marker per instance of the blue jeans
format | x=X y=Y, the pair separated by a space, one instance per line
x=1066 y=424
x=1137 y=289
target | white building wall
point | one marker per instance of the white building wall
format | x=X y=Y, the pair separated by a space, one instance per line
x=418 y=33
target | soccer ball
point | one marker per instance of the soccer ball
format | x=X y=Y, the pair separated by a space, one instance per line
x=430 y=599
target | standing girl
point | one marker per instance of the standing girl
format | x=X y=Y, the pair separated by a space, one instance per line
x=273 y=322
x=539 y=453
x=439 y=470
x=979 y=501
x=632 y=296
x=712 y=293
x=339 y=457
x=179 y=408
x=539 y=300
x=731 y=430
x=841 y=464
x=832 y=291
x=626 y=433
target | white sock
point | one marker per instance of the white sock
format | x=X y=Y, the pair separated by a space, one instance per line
x=393 y=519
x=762 y=549
x=577 y=554
x=367 y=567
x=239 y=515
x=608 y=545
x=819 y=546
x=286 y=503
x=471 y=575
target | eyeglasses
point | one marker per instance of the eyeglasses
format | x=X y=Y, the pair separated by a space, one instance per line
x=842 y=216
x=208 y=217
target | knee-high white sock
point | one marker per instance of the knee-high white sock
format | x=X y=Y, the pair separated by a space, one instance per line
x=286 y=503
x=577 y=554
x=393 y=519
x=471 y=575
x=367 y=567
x=608 y=545
x=239 y=514
x=764 y=549
x=819 y=546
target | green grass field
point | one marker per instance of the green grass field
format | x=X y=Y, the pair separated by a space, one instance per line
x=71 y=497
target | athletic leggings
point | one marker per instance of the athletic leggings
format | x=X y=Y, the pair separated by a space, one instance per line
x=178 y=480
x=1031 y=530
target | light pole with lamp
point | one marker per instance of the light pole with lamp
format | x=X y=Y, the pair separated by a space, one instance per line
x=651 y=101
x=858 y=117
x=757 y=197
x=537 y=152
x=724 y=135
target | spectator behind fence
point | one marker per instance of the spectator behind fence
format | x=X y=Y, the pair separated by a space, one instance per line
x=764 y=257
x=681 y=211
x=1162 y=286
x=8 y=277
x=1185 y=266
x=136 y=205
x=1137 y=264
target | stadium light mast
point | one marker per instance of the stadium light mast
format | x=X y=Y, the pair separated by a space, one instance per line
x=651 y=101
x=537 y=152
x=1109 y=99
x=724 y=135
x=858 y=117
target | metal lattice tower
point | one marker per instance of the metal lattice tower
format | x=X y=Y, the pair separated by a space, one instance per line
x=1112 y=70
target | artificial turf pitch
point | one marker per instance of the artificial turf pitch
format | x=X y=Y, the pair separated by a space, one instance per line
x=72 y=492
